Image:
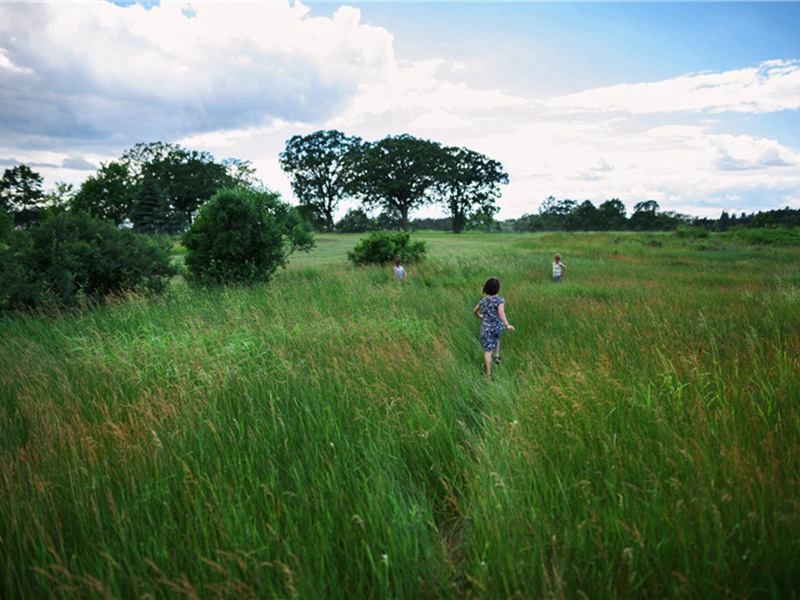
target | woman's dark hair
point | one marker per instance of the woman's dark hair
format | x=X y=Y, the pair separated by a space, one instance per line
x=492 y=286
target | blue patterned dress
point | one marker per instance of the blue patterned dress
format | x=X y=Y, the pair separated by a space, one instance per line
x=492 y=326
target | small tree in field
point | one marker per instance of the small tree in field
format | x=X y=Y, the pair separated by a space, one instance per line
x=381 y=247
x=243 y=236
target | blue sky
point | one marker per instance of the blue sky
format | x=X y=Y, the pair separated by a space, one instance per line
x=694 y=105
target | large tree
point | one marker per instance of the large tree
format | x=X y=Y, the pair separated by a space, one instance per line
x=21 y=194
x=553 y=213
x=319 y=167
x=398 y=174
x=469 y=183
x=645 y=216
x=585 y=217
x=613 y=213
x=188 y=177
x=109 y=194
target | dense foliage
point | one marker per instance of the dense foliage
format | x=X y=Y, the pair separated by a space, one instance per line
x=396 y=174
x=381 y=247
x=242 y=236
x=158 y=187
x=74 y=258
x=21 y=194
x=318 y=165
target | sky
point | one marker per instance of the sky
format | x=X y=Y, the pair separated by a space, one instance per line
x=693 y=105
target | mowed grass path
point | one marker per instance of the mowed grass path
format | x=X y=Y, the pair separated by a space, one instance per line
x=330 y=435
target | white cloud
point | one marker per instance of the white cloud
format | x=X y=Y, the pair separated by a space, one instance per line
x=127 y=73
x=82 y=82
x=770 y=87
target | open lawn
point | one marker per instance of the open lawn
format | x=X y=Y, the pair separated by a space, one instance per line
x=330 y=435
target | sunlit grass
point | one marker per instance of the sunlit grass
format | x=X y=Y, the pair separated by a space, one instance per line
x=331 y=434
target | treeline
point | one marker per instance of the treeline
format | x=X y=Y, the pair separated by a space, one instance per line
x=151 y=188
x=108 y=239
x=611 y=215
x=160 y=188
x=395 y=175
x=568 y=215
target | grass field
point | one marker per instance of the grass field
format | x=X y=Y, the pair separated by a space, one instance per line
x=330 y=435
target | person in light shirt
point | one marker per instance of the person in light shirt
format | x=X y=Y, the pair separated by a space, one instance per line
x=559 y=268
x=399 y=271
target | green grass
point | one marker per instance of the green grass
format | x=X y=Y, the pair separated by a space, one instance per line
x=330 y=435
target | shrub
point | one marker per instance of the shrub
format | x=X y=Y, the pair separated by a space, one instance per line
x=243 y=236
x=73 y=258
x=691 y=232
x=764 y=236
x=381 y=247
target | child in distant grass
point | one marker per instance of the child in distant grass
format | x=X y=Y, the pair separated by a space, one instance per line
x=559 y=268
x=491 y=309
x=399 y=271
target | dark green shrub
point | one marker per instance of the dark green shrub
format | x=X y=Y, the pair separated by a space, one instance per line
x=243 y=236
x=691 y=232
x=73 y=258
x=778 y=236
x=381 y=247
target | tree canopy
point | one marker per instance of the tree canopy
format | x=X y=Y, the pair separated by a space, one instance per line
x=108 y=194
x=319 y=167
x=398 y=174
x=470 y=183
x=21 y=194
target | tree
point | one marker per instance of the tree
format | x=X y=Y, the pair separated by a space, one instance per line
x=243 y=236
x=645 y=216
x=57 y=200
x=724 y=221
x=484 y=221
x=553 y=213
x=613 y=215
x=397 y=173
x=585 y=217
x=110 y=194
x=21 y=194
x=188 y=177
x=319 y=167
x=355 y=221
x=527 y=222
x=470 y=184
x=151 y=209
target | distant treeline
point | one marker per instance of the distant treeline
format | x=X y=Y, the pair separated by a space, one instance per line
x=567 y=215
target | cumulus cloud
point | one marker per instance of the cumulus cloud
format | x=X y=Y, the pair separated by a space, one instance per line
x=81 y=82
x=123 y=74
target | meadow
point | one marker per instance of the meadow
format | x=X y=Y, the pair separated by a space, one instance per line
x=331 y=434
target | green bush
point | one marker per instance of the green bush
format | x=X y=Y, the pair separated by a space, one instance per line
x=243 y=236
x=691 y=232
x=74 y=258
x=778 y=236
x=381 y=247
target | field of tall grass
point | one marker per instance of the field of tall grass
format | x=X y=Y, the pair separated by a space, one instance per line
x=331 y=435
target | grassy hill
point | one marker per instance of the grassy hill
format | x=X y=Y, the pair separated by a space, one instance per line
x=330 y=435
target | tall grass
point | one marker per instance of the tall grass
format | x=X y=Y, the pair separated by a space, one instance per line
x=331 y=434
